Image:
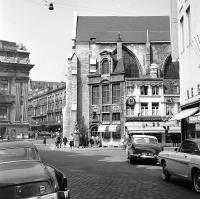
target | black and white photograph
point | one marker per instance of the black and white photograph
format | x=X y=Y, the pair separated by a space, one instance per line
x=99 y=99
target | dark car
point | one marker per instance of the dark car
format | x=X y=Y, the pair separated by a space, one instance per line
x=24 y=175
x=143 y=148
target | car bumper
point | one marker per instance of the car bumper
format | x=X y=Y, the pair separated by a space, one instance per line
x=144 y=157
x=57 y=195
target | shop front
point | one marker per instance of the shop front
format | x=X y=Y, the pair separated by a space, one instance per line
x=110 y=135
x=189 y=122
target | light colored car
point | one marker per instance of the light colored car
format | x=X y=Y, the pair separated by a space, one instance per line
x=143 y=147
x=183 y=161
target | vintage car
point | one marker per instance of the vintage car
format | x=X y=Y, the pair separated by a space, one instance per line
x=24 y=175
x=183 y=161
x=143 y=147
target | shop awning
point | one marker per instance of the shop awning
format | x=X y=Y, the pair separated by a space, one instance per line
x=184 y=114
x=103 y=128
x=113 y=128
x=141 y=130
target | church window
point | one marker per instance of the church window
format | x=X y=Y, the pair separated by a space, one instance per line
x=105 y=67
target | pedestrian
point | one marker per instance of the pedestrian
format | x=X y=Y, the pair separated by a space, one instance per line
x=59 y=141
x=44 y=140
x=65 y=141
x=71 y=141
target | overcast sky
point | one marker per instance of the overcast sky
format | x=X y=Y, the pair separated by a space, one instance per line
x=47 y=34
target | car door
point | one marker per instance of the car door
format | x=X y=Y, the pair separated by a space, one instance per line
x=183 y=158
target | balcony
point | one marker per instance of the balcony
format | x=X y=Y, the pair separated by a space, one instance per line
x=7 y=99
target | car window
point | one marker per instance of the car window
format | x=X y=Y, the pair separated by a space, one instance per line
x=13 y=154
x=145 y=140
x=189 y=147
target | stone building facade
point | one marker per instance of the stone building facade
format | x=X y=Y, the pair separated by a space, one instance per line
x=120 y=78
x=45 y=107
x=14 y=77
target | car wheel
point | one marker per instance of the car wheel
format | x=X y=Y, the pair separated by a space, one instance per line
x=165 y=173
x=196 y=181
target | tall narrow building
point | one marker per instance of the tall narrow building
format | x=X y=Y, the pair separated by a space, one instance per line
x=14 y=76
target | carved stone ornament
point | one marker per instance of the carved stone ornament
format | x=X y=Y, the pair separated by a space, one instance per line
x=131 y=101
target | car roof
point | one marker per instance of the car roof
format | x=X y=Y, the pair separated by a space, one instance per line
x=145 y=136
x=196 y=140
x=16 y=144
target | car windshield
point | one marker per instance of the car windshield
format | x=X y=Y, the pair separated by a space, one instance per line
x=145 y=140
x=13 y=154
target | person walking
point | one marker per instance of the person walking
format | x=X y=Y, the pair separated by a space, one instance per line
x=71 y=141
x=65 y=141
x=44 y=140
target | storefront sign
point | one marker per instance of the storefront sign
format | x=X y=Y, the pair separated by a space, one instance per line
x=194 y=119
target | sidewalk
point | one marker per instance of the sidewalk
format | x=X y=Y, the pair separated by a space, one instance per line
x=51 y=144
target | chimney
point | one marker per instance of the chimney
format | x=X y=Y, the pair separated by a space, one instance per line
x=119 y=47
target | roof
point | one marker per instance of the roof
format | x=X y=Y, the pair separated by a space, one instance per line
x=132 y=29
x=196 y=140
x=15 y=144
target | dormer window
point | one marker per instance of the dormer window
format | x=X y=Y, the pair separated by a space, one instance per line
x=105 y=67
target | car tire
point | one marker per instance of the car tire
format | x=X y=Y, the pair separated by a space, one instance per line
x=196 y=181
x=165 y=173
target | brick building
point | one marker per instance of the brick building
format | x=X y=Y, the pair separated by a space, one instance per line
x=14 y=76
x=121 y=78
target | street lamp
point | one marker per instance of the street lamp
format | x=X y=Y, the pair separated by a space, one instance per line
x=51 y=7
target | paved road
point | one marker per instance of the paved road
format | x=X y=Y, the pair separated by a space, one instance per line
x=107 y=174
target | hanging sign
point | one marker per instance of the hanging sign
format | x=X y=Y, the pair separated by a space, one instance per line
x=131 y=101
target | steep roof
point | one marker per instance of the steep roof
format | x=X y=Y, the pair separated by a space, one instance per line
x=132 y=29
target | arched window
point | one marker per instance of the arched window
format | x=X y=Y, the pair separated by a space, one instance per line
x=105 y=67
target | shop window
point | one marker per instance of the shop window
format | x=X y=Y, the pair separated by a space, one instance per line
x=116 y=135
x=116 y=117
x=106 y=135
x=105 y=117
x=115 y=93
x=144 y=90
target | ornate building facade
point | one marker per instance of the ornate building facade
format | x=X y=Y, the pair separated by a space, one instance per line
x=121 y=78
x=45 y=106
x=14 y=76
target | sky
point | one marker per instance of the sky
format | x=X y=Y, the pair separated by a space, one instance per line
x=47 y=33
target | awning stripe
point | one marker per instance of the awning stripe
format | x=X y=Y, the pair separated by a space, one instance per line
x=184 y=114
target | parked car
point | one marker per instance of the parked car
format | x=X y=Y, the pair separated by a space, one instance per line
x=143 y=147
x=24 y=175
x=183 y=162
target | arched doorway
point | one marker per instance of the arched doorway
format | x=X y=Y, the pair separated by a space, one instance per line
x=94 y=131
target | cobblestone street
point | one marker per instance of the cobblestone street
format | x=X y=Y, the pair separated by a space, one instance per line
x=96 y=173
